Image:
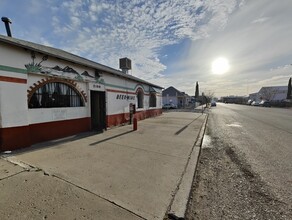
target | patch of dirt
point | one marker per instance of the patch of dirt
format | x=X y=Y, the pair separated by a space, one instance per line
x=225 y=187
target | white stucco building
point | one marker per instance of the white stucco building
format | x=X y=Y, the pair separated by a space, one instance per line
x=270 y=93
x=47 y=93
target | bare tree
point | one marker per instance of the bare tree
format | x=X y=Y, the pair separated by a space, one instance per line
x=208 y=97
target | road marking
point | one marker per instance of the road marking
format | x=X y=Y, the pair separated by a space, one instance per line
x=236 y=125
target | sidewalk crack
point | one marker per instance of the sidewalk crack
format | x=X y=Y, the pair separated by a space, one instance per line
x=112 y=202
x=12 y=175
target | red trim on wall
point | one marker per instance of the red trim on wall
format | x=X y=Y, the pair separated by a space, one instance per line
x=118 y=119
x=141 y=115
x=119 y=91
x=125 y=92
x=24 y=136
x=14 y=138
x=12 y=79
x=58 y=129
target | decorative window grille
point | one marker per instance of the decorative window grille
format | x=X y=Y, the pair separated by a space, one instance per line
x=152 y=101
x=55 y=95
x=140 y=98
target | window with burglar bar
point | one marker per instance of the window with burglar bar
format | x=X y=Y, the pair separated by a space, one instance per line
x=54 y=95
x=140 y=98
x=152 y=100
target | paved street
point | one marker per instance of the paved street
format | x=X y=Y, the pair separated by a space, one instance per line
x=245 y=167
x=119 y=174
x=264 y=135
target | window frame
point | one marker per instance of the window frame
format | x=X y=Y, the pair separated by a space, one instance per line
x=152 y=100
x=140 y=98
x=55 y=94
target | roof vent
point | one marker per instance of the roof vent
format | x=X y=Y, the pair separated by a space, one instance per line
x=125 y=64
x=7 y=21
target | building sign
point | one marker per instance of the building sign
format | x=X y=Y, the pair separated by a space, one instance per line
x=96 y=86
x=125 y=97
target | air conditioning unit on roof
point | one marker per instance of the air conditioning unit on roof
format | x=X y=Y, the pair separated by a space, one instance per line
x=125 y=64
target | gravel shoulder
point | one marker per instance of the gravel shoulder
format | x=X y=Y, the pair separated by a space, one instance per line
x=225 y=187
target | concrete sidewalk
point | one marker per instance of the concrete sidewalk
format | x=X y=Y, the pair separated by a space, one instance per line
x=119 y=174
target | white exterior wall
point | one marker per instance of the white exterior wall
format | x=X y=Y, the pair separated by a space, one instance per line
x=120 y=86
x=41 y=115
x=14 y=109
x=13 y=104
x=13 y=56
x=159 y=100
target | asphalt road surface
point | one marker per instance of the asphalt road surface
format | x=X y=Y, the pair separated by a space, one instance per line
x=245 y=170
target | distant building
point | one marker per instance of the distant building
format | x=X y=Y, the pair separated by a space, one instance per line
x=234 y=99
x=173 y=96
x=270 y=93
x=253 y=96
x=273 y=93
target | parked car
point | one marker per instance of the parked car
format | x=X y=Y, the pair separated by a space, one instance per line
x=249 y=102
x=264 y=103
x=213 y=103
x=255 y=103
x=169 y=106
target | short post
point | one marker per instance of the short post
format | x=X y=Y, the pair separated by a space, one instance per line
x=135 y=124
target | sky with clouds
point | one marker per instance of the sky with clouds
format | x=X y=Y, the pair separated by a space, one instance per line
x=170 y=42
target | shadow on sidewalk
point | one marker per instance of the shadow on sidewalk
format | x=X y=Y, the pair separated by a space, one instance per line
x=110 y=138
x=183 y=128
x=52 y=143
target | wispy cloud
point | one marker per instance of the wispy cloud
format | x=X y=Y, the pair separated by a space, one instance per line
x=260 y=20
x=110 y=30
x=254 y=35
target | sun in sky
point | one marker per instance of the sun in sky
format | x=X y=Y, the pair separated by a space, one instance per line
x=161 y=43
x=220 y=66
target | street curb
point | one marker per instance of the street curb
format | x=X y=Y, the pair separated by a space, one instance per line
x=179 y=203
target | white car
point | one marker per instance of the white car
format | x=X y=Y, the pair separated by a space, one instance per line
x=169 y=106
x=255 y=103
x=249 y=102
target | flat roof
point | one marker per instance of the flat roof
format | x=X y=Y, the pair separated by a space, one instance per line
x=64 y=55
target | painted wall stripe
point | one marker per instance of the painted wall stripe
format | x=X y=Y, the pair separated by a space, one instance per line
x=119 y=91
x=12 y=79
x=120 y=87
x=24 y=71
x=127 y=88
x=13 y=69
x=124 y=92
